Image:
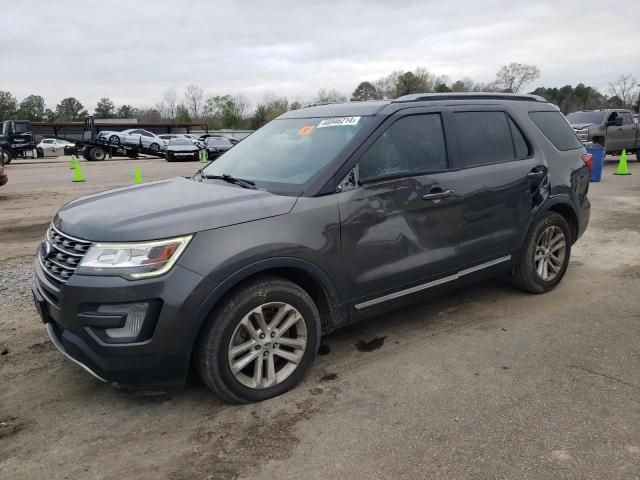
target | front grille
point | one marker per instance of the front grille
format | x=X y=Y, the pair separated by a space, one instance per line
x=60 y=254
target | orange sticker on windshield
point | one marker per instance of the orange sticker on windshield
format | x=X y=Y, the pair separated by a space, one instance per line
x=305 y=130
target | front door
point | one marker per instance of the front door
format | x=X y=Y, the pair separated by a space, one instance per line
x=399 y=228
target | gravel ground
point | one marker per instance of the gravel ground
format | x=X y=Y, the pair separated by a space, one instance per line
x=486 y=383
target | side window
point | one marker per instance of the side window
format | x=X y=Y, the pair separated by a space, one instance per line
x=484 y=138
x=626 y=118
x=146 y=134
x=413 y=144
x=519 y=142
x=135 y=132
x=557 y=130
x=47 y=141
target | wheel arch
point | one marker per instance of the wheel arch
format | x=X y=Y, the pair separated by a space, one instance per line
x=307 y=275
x=563 y=206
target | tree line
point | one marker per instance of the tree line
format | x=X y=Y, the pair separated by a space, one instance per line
x=235 y=111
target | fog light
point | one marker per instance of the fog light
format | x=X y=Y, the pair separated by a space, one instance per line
x=136 y=313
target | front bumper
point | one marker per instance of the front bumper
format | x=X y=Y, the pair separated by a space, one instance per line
x=161 y=360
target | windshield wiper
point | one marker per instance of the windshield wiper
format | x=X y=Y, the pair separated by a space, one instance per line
x=230 y=179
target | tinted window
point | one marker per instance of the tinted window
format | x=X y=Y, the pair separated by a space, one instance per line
x=146 y=134
x=413 y=144
x=519 y=142
x=47 y=141
x=586 y=117
x=484 y=138
x=556 y=128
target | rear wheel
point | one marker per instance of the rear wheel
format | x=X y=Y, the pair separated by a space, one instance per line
x=97 y=154
x=259 y=342
x=155 y=148
x=5 y=156
x=546 y=255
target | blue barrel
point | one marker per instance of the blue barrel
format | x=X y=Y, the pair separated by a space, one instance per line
x=597 y=154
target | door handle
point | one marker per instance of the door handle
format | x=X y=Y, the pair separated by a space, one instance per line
x=437 y=195
x=535 y=174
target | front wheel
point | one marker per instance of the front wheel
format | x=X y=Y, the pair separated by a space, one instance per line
x=545 y=257
x=155 y=148
x=114 y=140
x=260 y=341
x=5 y=157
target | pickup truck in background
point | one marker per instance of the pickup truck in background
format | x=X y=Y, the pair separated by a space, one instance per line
x=613 y=129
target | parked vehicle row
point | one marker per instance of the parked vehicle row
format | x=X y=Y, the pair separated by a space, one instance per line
x=327 y=215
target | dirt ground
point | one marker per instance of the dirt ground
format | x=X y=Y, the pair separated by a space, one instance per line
x=486 y=383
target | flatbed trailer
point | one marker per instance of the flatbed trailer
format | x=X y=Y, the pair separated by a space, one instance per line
x=93 y=149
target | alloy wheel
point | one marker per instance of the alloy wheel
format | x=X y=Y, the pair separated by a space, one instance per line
x=267 y=345
x=550 y=253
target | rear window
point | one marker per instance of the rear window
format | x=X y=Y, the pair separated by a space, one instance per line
x=556 y=128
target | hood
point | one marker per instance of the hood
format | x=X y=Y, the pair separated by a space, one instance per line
x=580 y=126
x=165 y=209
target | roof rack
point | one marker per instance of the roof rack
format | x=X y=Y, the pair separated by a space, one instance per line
x=419 y=97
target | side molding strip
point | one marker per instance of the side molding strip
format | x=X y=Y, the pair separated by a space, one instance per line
x=431 y=284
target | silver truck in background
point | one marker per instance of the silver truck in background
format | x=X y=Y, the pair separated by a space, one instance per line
x=613 y=129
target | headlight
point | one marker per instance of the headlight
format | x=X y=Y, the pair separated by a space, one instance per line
x=133 y=260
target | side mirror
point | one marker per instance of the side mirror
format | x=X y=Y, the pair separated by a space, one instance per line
x=618 y=122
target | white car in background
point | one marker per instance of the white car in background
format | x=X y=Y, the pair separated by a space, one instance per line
x=133 y=137
x=54 y=147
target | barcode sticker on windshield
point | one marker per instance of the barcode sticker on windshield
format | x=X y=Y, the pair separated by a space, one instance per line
x=339 y=122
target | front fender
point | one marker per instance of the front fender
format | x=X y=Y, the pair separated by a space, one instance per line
x=242 y=274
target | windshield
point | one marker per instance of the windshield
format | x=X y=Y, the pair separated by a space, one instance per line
x=19 y=128
x=585 y=117
x=288 y=151
x=180 y=141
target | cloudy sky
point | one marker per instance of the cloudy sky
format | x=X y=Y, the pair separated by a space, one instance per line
x=134 y=50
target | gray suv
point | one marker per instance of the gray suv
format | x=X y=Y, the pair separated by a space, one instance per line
x=325 y=216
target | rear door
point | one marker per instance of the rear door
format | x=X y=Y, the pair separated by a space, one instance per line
x=497 y=173
x=400 y=221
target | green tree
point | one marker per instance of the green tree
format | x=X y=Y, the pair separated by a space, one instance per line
x=70 y=110
x=295 y=105
x=259 y=117
x=366 y=91
x=105 y=108
x=182 y=114
x=442 y=88
x=8 y=105
x=125 y=111
x=408 y=83
x=31 y=108
x=49 y=115
x=225 y=109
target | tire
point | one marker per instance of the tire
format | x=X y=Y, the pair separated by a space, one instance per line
x=155 y=148
x=526 y=274
x=6 y=156
x=114 y=140
x=40 y=152
x=97 y=154
x=226 y=325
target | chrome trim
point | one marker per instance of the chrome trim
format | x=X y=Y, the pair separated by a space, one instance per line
x=59 y=346
x=70 y=269
x=431 y=284
x=47 y=272
x=62 y=250
x=70 y=237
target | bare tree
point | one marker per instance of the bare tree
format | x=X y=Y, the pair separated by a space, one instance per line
x=194 y=97
x=512 y=77
x=169 y=102
x=329 y=96
x=242 y=106
x=625 y=88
